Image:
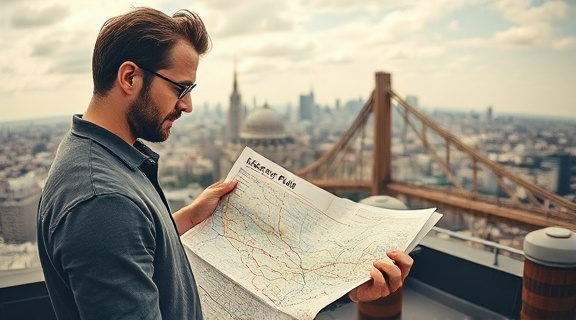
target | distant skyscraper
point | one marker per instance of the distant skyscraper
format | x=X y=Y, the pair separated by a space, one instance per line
x=566 y=169
x=235 y=113
x=306 y=108
x=489 y=115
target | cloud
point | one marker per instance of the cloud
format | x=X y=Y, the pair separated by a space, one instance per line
x=566 y=43
x=453 y=25
x=249 y=18
x=71 y=55
x=72 y=63
x=521 y=11
x=46 y=47
x=4 y=3
x=347 y=5
x=253 y=67
x=51 y=54
x=533 y=23
x=29 y=17
x=292 y=50
x=460 y=62
x=523 y=36
x=413 y=20
x=7 y=70
x=336 y=57
x=414 y=50
x=475 y=42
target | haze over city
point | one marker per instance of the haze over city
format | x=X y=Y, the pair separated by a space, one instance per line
x=518 y=56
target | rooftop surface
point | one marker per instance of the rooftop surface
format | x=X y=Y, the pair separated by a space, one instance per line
x=421 y=301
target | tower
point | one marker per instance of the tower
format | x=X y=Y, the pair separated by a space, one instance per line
x=306 y=108
x=235 y=112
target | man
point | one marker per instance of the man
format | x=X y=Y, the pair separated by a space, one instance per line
x=109 y=246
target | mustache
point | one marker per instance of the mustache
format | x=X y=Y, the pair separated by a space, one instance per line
x=174 y=116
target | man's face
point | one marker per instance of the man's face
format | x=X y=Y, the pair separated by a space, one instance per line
x=146 y=121
x=157 y=106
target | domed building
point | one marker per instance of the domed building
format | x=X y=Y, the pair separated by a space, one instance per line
x=264 y=127
x=263 y=131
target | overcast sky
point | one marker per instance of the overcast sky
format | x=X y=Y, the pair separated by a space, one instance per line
x=518 y=56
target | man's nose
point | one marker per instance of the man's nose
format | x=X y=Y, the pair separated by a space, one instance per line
x=185 y=104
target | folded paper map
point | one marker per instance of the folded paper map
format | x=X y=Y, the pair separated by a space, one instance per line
x=278 y=247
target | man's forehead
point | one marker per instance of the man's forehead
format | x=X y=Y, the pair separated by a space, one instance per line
x=184 y=56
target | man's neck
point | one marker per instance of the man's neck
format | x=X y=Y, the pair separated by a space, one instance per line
x=110 y=116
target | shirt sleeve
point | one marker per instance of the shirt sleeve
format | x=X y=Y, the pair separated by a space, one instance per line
x=105 y=247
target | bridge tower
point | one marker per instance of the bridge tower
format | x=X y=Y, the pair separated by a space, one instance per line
x=382 y=112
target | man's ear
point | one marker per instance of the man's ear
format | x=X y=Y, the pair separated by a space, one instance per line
x=127 y=71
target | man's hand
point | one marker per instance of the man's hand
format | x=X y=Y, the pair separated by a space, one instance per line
x=203 y=206
x=386 y=278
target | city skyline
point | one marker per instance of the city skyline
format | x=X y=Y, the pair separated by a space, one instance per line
x=515 y=56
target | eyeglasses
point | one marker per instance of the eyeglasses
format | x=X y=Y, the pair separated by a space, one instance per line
x=184 y=88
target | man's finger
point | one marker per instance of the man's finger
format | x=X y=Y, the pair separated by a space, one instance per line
x=391 y=273
x=220 y=189
x=378 y=280
x=402 y=260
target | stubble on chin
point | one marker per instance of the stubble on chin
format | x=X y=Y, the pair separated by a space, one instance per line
x=145 y=121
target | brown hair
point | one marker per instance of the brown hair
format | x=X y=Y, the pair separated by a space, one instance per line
x=144 y=36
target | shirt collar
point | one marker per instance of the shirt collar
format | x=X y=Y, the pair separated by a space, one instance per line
x=132 y=156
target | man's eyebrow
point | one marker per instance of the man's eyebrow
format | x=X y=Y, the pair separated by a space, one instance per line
x=186 y=83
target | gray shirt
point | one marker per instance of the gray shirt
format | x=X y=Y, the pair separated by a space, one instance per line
x=108 y=244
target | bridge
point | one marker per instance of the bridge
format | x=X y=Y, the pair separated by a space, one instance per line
x=362 y=160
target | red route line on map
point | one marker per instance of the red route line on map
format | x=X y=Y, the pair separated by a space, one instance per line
x=230 y=238
x=234 y=240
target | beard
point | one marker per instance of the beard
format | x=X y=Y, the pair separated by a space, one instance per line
x=145 y=120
